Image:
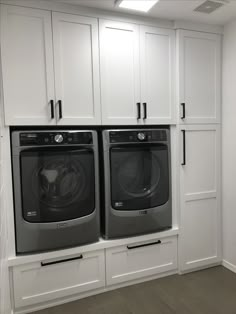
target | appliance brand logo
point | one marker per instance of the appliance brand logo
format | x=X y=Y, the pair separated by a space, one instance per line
x=143 y=212
x=62 y=225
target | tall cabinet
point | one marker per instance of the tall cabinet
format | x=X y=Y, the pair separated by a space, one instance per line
x=200 y=149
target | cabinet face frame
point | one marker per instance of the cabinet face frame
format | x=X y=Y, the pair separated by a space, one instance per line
x=89 y=25
x=43 y=110
x=194 y=197
x=182 y=39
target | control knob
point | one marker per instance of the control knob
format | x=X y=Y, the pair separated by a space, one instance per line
x=58 y=138
x=141 y=136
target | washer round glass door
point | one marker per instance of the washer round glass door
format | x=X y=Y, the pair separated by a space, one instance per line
x=57 y=184
x=139 y=177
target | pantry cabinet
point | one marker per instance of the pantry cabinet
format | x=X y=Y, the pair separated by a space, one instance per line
x=199 y=77
x=199 y=240
x=50 y=67
x=137 y=74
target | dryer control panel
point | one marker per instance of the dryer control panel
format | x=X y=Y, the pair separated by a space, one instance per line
x=137 y=136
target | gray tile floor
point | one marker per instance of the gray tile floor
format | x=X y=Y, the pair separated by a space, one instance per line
x=211 y=291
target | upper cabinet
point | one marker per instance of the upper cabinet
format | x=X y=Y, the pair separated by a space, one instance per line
x=120 y=82
x=50 y=67
x=76 y=60
x=157 y=74
x=199 y=68
x=27 y=65
x=137 y=74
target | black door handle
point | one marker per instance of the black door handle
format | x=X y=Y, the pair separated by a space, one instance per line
x=60 y=109
x=183 y=106
x=52 y=108
x=184 y=148
x=145 y=110
x=62 y=261
x=139 y=110
x=142 y=245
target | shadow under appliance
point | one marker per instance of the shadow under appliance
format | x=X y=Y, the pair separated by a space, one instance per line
x=55 y=177
x=137 y=182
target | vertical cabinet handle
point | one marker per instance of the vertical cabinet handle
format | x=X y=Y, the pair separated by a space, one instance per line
x=145 y=110
x=60 y=108
x=52 y=108
x=139 y=110
x=183 y=112
x=184 y=148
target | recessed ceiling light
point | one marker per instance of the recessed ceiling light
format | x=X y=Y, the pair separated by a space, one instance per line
x=137 y=5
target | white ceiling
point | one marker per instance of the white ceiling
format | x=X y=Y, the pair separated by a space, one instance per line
x=170 y=9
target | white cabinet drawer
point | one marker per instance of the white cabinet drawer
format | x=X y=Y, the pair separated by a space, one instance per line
x=41 y=282
x=141 y=259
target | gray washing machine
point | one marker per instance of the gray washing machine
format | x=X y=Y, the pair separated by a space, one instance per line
x=137 y=174
x=56 y=196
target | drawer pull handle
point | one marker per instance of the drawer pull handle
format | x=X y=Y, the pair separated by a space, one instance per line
x=142 y=245
x=62 y=261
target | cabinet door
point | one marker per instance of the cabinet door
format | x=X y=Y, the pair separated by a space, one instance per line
x=76 y=60
x=199 y=241
x=157 y=74
x=199 y=77
x=120 y=82
x=27 y=65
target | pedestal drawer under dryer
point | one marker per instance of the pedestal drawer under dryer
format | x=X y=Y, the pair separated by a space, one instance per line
x=143 y=259
x=51 y=279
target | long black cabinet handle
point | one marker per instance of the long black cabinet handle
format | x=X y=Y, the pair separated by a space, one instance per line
x=142 y=245
x=139 y=110
x=60 y=109
x=183 y=113
x=145 y=110
x=52 y=108
x=62 y=261
x=184 y=148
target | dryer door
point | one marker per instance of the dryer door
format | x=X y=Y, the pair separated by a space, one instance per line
x=57 y=184
x=139 y=176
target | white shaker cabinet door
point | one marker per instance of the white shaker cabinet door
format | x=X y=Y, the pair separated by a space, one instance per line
x=27 y=65
x=199 y=57
x=157 y=49
x=199 y=240
x=120 y=79
x=76 y=60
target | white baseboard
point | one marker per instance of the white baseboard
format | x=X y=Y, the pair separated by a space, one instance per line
x=229 y=266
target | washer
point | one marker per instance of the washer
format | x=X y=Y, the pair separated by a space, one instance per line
x=56 y=195
x=137 y=196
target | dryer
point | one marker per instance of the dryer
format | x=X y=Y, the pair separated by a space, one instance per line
x=137 y=177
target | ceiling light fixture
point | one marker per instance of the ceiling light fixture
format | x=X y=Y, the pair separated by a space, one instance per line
x=137 y=5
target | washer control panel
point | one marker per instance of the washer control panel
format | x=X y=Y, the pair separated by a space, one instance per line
x=55 y=138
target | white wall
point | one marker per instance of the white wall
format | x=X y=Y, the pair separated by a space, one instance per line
x=229 y=146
